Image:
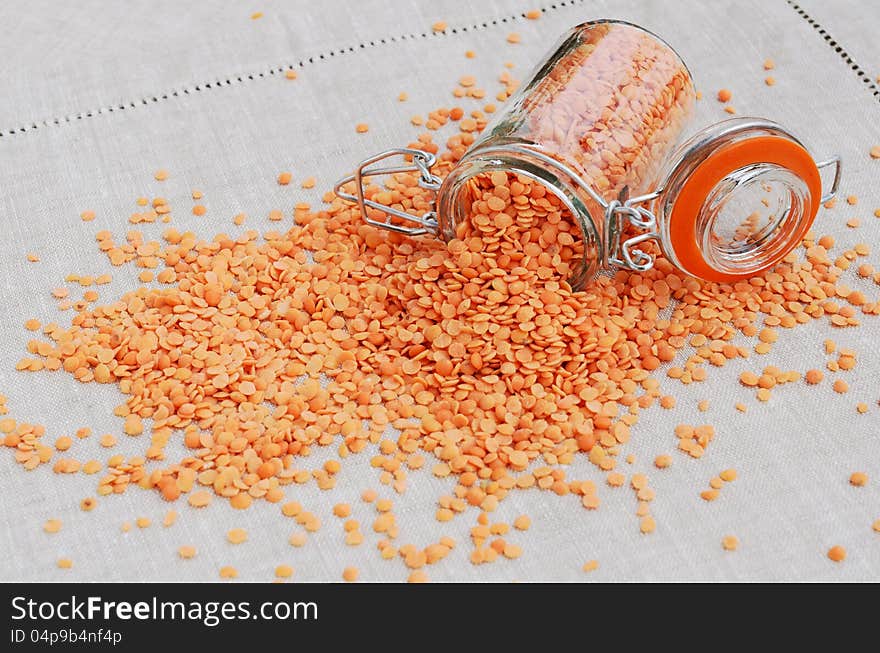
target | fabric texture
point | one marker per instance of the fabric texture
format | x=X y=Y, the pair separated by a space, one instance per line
x=794 y=454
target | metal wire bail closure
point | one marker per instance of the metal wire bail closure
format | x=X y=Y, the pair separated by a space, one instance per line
x=624 y=212
x=617 y=214
x=422 y=162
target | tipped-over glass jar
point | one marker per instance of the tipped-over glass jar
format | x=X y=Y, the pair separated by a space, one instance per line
x=597 y=124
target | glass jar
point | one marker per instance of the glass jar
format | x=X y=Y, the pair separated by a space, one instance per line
x=597 y=124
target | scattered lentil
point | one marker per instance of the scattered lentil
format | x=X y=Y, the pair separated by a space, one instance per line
x=52 y=526
x=237 y=536
x=590 y=565
x=350 y=574
x=837 y=553
x=297 y=539
x=228 y=572
x=283 y=571
x=417 y=576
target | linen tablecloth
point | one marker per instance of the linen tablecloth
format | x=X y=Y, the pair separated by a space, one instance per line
x=98 y=96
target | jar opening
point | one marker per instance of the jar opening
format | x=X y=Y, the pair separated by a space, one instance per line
x=545 y=213
x=750 y=217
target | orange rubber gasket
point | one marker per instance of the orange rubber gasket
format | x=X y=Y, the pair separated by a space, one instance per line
x=757 y=149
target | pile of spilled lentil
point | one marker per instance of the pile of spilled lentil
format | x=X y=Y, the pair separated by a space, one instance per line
x=256 y=348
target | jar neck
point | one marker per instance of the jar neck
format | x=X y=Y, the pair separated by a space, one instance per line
x=750 y=218
x=453 y=202
x=730 y=205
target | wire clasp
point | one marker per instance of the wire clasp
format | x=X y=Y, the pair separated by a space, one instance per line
x=422 y=162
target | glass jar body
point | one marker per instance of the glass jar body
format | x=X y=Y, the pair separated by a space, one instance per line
x=594 y=122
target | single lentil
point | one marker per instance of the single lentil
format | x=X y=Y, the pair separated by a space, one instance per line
x=283 y=571
x=237 y=536
x=228 y=572
x=52 y=526
x=350 y=574
x=837 y=553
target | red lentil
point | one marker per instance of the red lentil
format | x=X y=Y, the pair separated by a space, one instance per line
x=169 y=519
x=237 y=536
x=858 y=479
x=837 y=553
x=228 y=572
x=350 y=574
x=52 y=526
x=283 y=571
